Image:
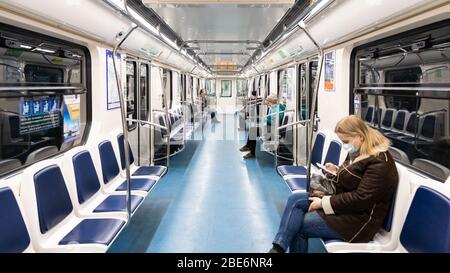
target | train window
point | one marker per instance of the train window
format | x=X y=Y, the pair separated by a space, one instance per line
x=241 y=88
x=312 y=80
x=167 y=86
x=130 y=94
x=303 y=98
x=286 y=83
x=44 y=106
x=144 y=91
x=403 y=84
x=211 y=87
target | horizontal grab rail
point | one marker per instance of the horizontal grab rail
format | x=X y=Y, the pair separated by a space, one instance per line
x=294 y=124
x=39 y=88
x=147 y=123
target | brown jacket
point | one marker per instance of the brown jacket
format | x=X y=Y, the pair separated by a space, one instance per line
x=364 y=191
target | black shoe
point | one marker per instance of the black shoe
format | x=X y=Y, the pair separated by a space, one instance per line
x=276 y=249
x=249 y=156
x=244 y=149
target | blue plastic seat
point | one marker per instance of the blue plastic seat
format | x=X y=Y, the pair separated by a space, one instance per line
x=141 y=171
x=427 y=225
x=138 y=184
x=118 y=203
x=54 y=205
x=14 y=237
x=110 y=169
x=93 y=231
x=334 y=153
x=296 y=184
x=369 y=115
x=316 y=157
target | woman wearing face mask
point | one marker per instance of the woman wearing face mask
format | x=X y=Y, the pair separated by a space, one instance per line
x=364 y=187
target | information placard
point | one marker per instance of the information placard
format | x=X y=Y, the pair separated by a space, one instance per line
x=38 y=115
x=71 y=111
x=330 y=71
x=112 y=92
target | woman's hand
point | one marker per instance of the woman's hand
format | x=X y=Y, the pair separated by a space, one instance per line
x=331 y=167
x=316 y=204
x=318 y=194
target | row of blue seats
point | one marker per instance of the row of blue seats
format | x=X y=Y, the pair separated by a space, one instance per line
x=295 y=176
x=72 y=203
x=403 y=125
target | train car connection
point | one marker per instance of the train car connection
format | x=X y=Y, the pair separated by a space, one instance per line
x=165 y=126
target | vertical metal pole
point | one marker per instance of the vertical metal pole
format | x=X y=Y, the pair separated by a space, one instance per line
x=124 y=120
x=313 y=106
x=166 y=110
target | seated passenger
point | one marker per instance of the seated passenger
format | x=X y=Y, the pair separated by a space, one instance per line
x=274 y=107
x=364 y=187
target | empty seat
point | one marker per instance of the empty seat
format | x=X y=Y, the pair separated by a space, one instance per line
x=41 y=153
x=386 y=123
x=316 y=157
x=369 y=115
x=399 y=155
x=297 y=183
x=411 y=128
x=435 y=169
x=14 y=237
x=48 y=203
x=9 y=164
x=378 y=115
x=88 y=185
x=110 y=169
x=156 y=171
x=427 y=225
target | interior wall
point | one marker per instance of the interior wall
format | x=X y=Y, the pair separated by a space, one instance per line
x=226 y=105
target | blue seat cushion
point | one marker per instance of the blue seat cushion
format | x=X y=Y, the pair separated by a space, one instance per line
x=14 y=237
x=291 y=170
x=138 y=184
x=329 y=241
x=296 y=183
x=94 y=231
x=119 y=203
x=151 y=170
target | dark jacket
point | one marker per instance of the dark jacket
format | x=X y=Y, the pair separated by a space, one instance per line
x=364 y=191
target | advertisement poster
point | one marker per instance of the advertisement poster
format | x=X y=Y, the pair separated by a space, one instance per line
x=71 y=112
x=37 y=115
x=330 y=71
x=111 y=85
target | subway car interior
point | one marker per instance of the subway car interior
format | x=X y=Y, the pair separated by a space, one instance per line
x=149 y=126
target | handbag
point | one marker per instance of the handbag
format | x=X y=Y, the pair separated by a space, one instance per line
x=322 y=184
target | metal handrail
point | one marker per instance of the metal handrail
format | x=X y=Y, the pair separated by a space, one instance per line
x=147 y=123
x=295 y=124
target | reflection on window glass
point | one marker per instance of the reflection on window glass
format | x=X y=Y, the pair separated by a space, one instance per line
x=41 y=123
x=211 y=87
x=409 y=108
x=144 y=92
x=130 y=93
x=241 y=88
x=226 y=88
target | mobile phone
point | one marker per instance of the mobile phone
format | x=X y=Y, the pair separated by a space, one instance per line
x=325 y=169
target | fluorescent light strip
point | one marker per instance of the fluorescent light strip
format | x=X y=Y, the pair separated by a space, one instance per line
x=26 y=47
x=143 y=21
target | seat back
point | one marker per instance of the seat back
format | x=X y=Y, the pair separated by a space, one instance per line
x=41 y=153
x=333 y=153
x=387 y=119
x=369 y=115
x=9 y=164
x=14 y=235
x=317 y=151
x=435 y=169
x=52 y=197
x=412 y=124
x=108 y=161
x=427 y=225
x=86 y=178
x=122 y=151
x=400 y=120
x=378 y=116
x=399 y=155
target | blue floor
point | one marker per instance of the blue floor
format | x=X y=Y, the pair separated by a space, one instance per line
x=211 y=200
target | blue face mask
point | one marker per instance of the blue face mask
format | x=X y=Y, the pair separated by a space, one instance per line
x=350 y=148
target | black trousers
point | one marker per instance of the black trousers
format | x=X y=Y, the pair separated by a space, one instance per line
x=251 y=143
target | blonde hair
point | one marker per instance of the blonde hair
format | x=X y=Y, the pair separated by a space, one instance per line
x=373 y=141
